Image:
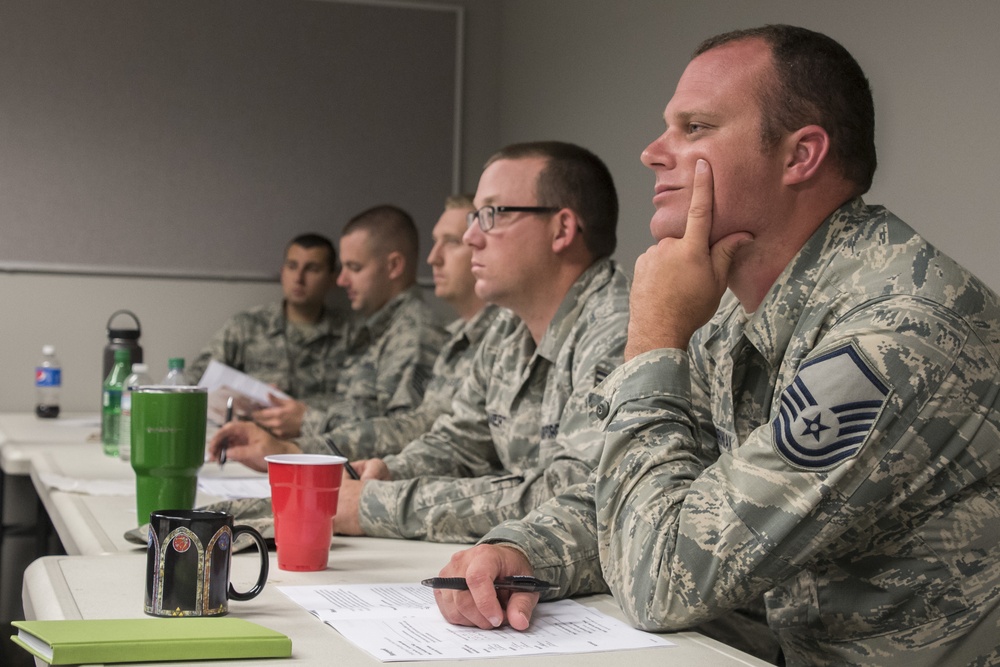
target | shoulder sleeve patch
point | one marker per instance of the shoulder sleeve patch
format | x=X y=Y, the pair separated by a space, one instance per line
x=829 y=409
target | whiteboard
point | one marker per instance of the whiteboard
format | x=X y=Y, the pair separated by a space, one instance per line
x=194 y=138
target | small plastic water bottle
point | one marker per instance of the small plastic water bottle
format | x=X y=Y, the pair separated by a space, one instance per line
x=111 y=402
x=48 y=380
x=175 y=372
x=139 y=378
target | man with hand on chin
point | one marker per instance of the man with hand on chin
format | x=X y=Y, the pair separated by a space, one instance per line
x=828 y=440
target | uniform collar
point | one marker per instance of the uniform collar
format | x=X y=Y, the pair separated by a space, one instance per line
x=594 y=278
x=380 y=321
x=327 y=325
x=770 y=328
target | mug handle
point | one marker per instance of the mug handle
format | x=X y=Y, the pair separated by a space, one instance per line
x=265 y=562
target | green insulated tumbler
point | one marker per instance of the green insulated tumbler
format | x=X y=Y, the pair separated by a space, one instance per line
x=168 y=446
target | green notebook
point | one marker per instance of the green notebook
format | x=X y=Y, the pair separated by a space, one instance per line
x=149 y=640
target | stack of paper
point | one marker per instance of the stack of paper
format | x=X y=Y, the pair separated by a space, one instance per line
x=401 y=622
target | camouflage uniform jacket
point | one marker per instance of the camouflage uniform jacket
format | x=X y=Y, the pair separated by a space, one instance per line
x=384 y=435
x=387 y=364
x=301 y=361
x=836 y=451
x=519 y=432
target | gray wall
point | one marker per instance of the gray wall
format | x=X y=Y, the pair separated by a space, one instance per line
x=179 y=316
x=599 y=73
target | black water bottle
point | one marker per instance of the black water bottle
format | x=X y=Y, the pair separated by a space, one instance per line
x=119 y=339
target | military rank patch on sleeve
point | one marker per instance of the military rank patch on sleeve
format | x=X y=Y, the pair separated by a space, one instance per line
x=828 y=410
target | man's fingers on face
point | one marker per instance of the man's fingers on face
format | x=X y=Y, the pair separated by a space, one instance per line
x=699 y=223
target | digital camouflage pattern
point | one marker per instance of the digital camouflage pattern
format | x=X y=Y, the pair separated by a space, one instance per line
x=387 y=364
x=300 y=360
x=384 y=435
x=519 y=432
x=836 y=452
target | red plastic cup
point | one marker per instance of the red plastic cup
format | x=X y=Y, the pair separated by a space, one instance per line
x=304 y=491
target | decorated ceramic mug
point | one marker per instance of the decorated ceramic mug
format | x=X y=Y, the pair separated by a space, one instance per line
x=187 y=563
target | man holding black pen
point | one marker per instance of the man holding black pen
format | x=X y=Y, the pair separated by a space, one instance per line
x=825 y=437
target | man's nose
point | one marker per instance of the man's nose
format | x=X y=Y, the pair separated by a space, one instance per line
x=434 y=257
x=657 y=153
x=473 y=236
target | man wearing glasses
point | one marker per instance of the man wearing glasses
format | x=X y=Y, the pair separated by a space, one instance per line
x=519 y=431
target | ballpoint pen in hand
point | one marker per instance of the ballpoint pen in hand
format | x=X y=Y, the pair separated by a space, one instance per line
x=518 y=582
x=336 y=452
x=225 y=441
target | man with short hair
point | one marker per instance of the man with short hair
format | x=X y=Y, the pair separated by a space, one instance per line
x=518 y=431
x=829 y=439
x=295 y=344
x=382 y=435
x=389 y=354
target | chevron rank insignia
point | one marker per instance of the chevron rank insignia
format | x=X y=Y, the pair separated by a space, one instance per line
x=827 y=412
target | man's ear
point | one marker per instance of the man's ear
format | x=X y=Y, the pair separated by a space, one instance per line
x=567 y=227
x=396 y=263
x=806 y=151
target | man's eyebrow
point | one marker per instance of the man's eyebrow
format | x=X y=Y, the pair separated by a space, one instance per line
x=684 y=117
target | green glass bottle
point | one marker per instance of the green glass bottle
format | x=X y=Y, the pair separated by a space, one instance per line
x=111 y=402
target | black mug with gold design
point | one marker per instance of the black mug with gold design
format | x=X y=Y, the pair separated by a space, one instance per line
x=187 y=563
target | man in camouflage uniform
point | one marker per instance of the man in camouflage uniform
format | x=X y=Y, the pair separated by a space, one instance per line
x=451 y=262
x=518 y=432
x=295 y=344
x=830 y=440
x=389 y=354
x=382 y=435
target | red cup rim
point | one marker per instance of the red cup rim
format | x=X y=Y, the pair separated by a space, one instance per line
x=306 y=459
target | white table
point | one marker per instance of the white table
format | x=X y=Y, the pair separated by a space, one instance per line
x=105 y=577
x=59 y=587
x=86 y=524
x=96 y=524
x=24 y=527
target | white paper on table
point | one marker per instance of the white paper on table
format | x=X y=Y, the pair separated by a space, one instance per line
x=231 y=488
x=93 y=421
x=400 y=622
x=223 y=487
x=89 y=487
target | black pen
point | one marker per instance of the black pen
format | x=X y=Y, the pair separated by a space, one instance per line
x=518 y=582
x=336 y=452
x=225 y=441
